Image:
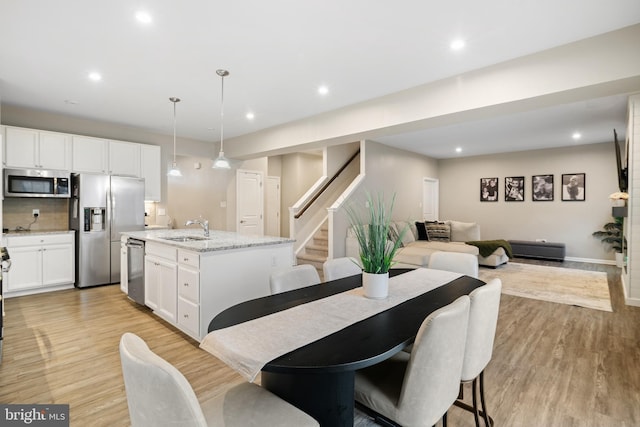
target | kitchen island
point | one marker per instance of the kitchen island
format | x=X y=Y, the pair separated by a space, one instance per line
x=190 y=278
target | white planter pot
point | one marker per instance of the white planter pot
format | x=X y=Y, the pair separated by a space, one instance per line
x=376 y=286
x=618 y=202
x=619 y=260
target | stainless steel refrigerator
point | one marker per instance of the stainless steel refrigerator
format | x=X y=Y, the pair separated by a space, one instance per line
x=101 y=207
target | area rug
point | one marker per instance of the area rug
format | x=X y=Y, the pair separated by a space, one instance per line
x=555 y=284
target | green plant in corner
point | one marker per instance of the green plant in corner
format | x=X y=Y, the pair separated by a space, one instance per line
x=611 y=234
x=371 y=227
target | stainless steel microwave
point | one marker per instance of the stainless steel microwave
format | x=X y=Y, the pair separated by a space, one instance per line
x=36 y=183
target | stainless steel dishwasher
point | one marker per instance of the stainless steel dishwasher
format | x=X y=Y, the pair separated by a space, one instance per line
x=135 y=270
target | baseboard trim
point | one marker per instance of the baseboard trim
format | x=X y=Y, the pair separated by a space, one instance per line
x=635 y=302
x=592 y=260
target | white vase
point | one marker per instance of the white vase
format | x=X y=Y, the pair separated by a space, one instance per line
x=619 y=260
x=376 y=286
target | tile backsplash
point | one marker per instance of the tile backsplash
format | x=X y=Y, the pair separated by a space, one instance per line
x=18 y=212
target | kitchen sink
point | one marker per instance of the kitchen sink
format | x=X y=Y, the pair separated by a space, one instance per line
x=185 y=238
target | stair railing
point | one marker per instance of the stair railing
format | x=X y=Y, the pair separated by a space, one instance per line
x=326 y=185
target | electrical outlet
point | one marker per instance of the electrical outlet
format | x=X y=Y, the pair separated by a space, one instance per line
x=36 y=212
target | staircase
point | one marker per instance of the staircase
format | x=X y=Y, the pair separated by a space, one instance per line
x=317 y=250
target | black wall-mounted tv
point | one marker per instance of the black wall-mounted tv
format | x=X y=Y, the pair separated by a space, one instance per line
x=622 y=169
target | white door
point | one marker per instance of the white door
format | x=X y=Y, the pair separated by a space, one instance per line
x=250 y=202
x=430 y=195
x=273 y=206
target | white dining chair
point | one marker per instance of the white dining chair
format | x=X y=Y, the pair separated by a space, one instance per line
x=418 y=389
x=296 y=277
x=159 y=395
x=337 y=268
x=457 y=262
x=483 y=320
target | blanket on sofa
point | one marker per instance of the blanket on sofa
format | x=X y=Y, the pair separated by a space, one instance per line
x=486 y=247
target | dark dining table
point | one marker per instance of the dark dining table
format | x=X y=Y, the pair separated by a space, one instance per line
x=319 y=377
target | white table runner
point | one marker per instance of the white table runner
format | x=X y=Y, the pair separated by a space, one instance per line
x=247 y=347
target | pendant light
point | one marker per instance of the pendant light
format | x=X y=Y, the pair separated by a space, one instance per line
x=174 y=171
x=221 y=162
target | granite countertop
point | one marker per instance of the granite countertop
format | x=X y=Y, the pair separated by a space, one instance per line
x=217 y=241
x=36 y=232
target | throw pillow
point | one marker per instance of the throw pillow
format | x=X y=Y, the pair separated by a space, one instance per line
x=438 y=232
x=422 y=230
x=464 y=231
x=408 y=236
x=393 y=234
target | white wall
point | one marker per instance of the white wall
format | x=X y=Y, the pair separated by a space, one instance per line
x=299 y=172
x=631 y=275
x=198 y=192
x=557 y=221
x=387 y=171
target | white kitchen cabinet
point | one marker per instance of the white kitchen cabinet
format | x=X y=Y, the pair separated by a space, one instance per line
x=89 y=154
x=189 y=292
x=40 y=263
x=189 y=287
x=26 y=268
x=210 y=282
x=160 y=280
x=124 y=158
x=31 y=148
x=151 y=171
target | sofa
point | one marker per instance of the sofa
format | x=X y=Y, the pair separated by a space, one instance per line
x=418 y=242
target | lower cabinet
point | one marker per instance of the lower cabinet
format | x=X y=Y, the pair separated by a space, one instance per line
x=160 y=281
x=40 y=263
x=189 y=292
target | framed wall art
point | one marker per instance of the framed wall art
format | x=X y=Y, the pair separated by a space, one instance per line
x=488 y=189
x=542 y=188
x=573 y=187
x=514 y=189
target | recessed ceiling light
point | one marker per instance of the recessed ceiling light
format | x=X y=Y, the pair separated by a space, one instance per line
x=576 y=136
x=323 y=90
x=250 y=116
x=143 y=17
x=95 y=76
x=457 y=44
x=458 y=149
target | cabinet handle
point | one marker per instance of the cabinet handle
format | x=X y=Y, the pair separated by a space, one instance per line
x=186 y=284
x=185 y=259
x=186 y=316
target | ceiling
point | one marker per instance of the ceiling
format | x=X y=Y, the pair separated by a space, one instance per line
x=279 y=52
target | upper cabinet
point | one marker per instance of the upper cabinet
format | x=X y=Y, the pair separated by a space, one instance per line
x=31 y=148
x=124 y=158
x=90 y=154
x=38 y=149
x=150 y=171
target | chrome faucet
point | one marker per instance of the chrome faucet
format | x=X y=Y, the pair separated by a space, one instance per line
x=203 y=223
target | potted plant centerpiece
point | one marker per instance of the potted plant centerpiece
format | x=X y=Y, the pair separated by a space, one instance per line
x=611 y=234
x=371 y=227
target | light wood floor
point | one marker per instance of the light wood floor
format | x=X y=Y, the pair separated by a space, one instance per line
x=553 y=364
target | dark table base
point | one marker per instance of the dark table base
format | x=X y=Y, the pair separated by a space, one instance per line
x=327 y=397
